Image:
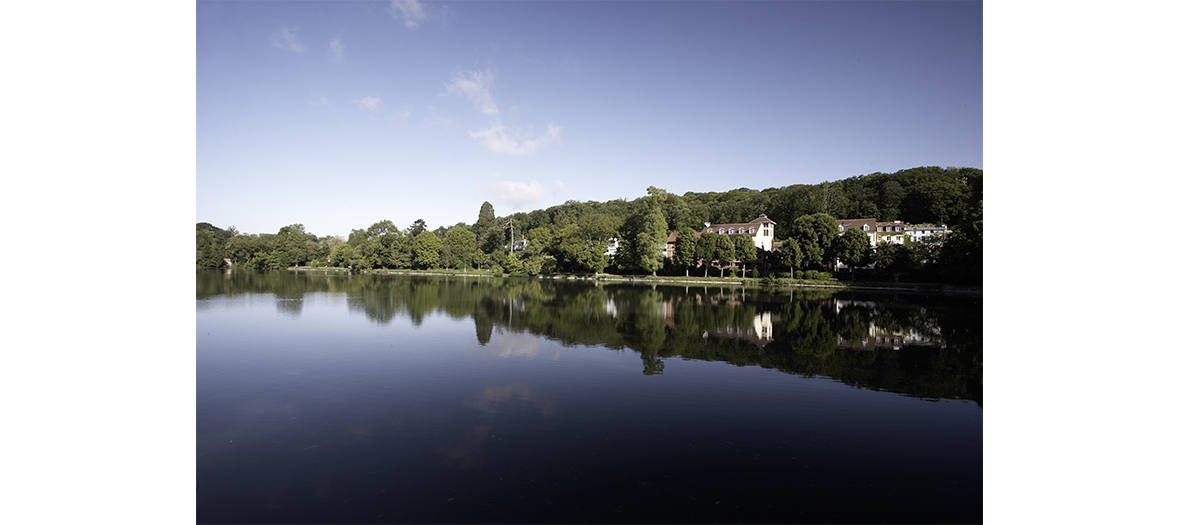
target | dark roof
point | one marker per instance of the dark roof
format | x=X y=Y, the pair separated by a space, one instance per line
x=672 y=236
x=858 y=222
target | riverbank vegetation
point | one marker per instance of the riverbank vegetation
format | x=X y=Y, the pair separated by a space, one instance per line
x=575 y=237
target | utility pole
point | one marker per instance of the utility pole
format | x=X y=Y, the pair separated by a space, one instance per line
x=512 y=239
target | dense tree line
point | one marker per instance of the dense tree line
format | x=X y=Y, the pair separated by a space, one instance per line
x=574 y=237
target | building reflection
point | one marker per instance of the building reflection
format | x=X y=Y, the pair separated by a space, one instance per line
x=886 y=333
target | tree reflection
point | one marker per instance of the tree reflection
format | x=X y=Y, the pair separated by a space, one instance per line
x=927 y=347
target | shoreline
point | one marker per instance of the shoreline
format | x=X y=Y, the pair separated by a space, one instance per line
x=943 y=289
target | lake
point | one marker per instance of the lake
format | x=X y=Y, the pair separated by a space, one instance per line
x=333 y=398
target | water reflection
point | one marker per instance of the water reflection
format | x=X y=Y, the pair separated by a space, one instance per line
x=493 y=402
x=927 y=347
x=509 y=344
x=496 y=399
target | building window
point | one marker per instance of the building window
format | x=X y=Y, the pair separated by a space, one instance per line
x=866 y=227
x=841 y=227
x=740 y=231
x=731 y=231
x=710 y=230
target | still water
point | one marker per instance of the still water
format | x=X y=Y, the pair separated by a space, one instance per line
x=330 y=398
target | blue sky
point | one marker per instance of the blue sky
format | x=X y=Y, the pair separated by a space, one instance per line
x=337 y=115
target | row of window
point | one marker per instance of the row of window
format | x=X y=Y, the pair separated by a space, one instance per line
x=740 y=231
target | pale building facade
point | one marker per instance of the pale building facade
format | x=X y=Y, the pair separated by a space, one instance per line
x=921 y=233
x=878 y=232
x=761 y=230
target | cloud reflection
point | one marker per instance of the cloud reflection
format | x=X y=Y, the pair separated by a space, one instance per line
x=511 y=344
x=494 y=401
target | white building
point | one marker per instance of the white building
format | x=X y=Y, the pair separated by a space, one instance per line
x=612 y=247
x=878 y=232
x=760 y=229
x=921 y=233
x=891 y=232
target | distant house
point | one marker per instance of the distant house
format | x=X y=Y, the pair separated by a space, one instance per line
x=519 y=245
x=893 y=232
x=670 y=247
x=760 y=229
x=869 y=226
x=612 y=247
x=878 y=232
x=921 y=233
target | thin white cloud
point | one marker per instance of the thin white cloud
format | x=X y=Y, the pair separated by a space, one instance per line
x=558 y=190
x=476 y=87
x=322 y=101
x=517 y=195
x=408 y=12
x=497 y=139
x=336 y=49
x=438 y=120
x=571 y=66
x=286 y=39
x=369 y=103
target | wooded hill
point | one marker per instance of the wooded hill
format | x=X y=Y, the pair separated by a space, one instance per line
x=572 y=237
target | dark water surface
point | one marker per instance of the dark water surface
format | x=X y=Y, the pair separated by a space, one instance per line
x=328 y=398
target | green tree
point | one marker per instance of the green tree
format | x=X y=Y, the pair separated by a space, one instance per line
x=890 y=199
x=831 y=198
x=897 y=259
x=744 y=250
x=540 y=240
x=707 y=249
x=645 y=234
x=593 y=258
x=791 y=254
x=481 y=260
x=685 y=253
x=539 y=265
x=401 y=252
x=723 y=252
x=853 y=248
x=381 y=228
x=426 y=250
x=489 y=232
x=460 y=247
x=209 y=251
x=961 y=256
x=343 y=256
x=291 y=246
x=815 y=233
x=417 y=228
x=512 y=264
